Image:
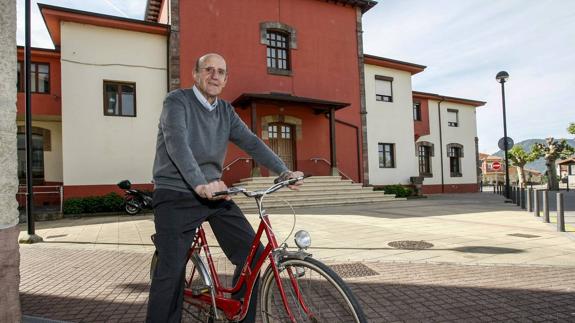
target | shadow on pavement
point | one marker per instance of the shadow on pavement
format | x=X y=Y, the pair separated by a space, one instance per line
x=381 y=302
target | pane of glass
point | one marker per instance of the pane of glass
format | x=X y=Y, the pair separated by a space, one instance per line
x=19 y=72
x=33 y=77
x=43 y=83
x=43 y=68
x=111 y=103
x=128 y=101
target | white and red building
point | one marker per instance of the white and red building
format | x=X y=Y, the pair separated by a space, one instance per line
x=303 y=85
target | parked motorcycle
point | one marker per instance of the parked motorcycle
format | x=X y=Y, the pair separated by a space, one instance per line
x=134 y=199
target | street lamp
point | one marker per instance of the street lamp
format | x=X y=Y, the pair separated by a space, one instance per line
x=502 y=77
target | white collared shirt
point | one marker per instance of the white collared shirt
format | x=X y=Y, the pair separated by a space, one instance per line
x=204 y=101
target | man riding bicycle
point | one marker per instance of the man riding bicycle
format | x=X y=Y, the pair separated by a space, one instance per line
x=194 y=130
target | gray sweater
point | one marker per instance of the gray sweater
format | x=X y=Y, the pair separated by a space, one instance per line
x=192 y=142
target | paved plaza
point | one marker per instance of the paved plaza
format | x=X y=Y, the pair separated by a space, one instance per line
x=472 y=258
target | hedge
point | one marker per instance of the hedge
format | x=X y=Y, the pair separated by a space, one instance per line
x=398 y=190
x=94 y=204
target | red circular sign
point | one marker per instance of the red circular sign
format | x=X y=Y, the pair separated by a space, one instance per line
x=496 y=165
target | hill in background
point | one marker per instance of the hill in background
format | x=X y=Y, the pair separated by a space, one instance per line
x=539 y=164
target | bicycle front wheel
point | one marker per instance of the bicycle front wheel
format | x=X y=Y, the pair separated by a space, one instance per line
x=314 y=293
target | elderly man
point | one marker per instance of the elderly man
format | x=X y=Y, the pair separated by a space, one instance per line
x=194 y=130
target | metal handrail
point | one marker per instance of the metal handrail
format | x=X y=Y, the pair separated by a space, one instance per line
x=227 y=167
x=315 y=160
x=60 y=191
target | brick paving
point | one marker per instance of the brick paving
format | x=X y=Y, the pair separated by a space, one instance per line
x=81 y=285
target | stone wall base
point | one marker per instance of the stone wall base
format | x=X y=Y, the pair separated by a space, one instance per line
x=10 y=275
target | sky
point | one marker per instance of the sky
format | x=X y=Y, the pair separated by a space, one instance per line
x=464 y=44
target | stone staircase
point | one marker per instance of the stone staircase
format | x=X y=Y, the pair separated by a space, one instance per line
x=317 y=191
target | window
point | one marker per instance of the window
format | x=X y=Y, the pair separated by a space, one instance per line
x=386 y=156
x=416 y=111
x=39 y=77
x=452 y=118
x=277 y=50
x=455 y=153
x=37 y=158
x=119 y=99
x=425 y=152
x=20 y=80
x=383 y=88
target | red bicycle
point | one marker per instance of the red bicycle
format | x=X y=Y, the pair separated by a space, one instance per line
x=294 y=288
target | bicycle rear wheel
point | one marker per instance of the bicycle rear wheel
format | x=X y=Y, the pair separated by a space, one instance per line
x=324 y=297
x=195 y=310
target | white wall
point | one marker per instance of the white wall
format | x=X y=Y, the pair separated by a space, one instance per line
x=100 y=149
x=464 y=134
x=390 y=122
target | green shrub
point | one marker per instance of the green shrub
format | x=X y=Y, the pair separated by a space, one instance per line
x=398 y=190
x=93 y=204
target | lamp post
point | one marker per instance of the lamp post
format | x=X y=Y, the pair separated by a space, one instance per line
x=502 y=77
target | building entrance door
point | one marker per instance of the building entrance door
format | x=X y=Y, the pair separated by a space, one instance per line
x=282 y=142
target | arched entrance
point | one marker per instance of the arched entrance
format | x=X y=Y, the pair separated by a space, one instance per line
x=282 y=141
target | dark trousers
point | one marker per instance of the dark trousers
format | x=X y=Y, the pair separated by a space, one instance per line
x=176 y=217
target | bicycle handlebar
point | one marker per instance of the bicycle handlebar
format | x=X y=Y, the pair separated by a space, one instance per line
x=271 y=189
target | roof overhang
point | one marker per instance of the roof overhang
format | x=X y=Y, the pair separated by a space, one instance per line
x=433 y=96
x=569 y=161
x=364 y=5
x=39 y=52
x=153 y=8
x=393 y=64
x=245 y=100
x=54 y=15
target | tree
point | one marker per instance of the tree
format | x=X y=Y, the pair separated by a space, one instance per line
x=552 y=151
x=571 y=128
x=518 y=158
x=9 y=249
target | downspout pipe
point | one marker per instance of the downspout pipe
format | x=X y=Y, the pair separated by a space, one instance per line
x=441 y=144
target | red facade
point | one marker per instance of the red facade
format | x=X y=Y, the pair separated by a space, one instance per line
x=324 y=66
x=44 y=104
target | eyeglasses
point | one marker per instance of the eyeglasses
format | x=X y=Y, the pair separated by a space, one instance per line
x=219 y=72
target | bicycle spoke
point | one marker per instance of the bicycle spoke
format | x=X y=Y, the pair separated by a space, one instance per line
x=314 y=294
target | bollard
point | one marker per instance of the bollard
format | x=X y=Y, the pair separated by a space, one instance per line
x=536 y=203
x=529 y=200
x=545 y=206
x=512 y=193
x=560 y=213
x=523 y=194
x=518 y=196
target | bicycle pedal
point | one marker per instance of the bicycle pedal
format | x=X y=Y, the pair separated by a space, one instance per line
x=199 y=290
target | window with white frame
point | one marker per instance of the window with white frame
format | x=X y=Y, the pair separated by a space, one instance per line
x=452 y=118
x=383 y=88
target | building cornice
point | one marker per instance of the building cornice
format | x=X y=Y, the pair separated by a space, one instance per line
x=393 y=64
x=433 y=96
x=54 y=15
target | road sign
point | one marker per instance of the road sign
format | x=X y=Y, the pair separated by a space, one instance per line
x=496 y=165
x=502 y=142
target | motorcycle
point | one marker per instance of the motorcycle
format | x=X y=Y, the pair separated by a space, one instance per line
x=134 y=199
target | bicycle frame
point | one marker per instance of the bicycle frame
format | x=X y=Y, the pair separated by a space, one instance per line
x=235 y=309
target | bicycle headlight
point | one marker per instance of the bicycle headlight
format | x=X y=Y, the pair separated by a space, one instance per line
x=302 y=239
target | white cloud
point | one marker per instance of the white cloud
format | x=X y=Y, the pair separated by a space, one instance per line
x=465 y=43
x=40 y=37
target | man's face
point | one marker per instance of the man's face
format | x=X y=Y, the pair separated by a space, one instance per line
x=212 y=76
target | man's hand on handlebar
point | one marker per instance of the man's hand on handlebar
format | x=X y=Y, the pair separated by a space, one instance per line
x=207 y=190
x=291 y=175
